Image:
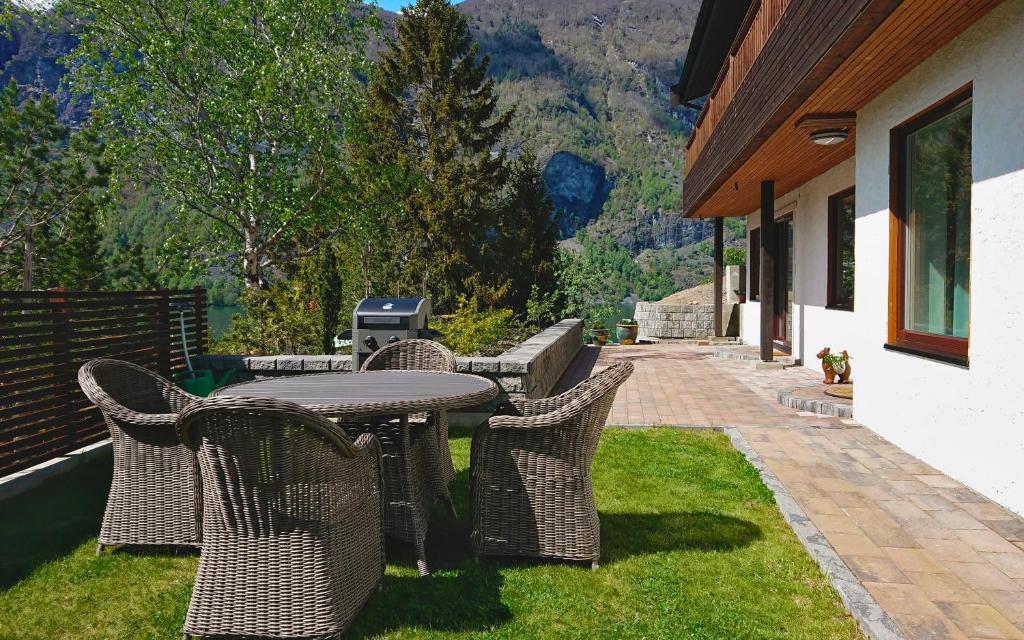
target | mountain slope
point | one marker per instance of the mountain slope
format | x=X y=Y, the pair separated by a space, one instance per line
x=590 y=85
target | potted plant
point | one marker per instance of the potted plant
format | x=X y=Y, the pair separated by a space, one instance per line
x=627 y=331
x=598 y=332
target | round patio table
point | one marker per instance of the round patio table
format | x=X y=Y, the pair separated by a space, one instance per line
x=371 y=392
x=370 y=401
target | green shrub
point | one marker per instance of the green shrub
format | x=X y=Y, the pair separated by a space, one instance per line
x=474 y=332
x=735 y=257
x=284 y=319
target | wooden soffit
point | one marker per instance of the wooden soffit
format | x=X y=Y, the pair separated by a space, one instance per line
x=825 y=59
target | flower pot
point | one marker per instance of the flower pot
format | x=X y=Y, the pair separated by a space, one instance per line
x=627 y=333
x=599 y=336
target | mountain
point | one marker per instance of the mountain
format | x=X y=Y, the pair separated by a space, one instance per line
x=589 y=80
x=590 y=84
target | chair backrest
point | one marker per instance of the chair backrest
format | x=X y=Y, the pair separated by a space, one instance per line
x=113 y=385
x=412 y=355
x=267 y=466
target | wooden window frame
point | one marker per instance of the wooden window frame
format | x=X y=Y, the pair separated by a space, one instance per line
x=943 y=348
x=833 y=247
x=754 y=251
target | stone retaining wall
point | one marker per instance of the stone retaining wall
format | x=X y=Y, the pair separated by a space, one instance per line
x=531 y=369
x=659 y=320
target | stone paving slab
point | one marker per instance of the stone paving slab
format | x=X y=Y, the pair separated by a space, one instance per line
x=938 y=559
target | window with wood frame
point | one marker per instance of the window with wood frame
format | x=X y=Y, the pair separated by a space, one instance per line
x=754 y=287
x=931 y=231
x=840 y=250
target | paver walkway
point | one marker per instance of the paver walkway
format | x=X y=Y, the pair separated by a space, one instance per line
x=940 y=559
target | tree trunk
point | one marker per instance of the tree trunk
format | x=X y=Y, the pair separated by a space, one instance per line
x=30 y=252
x=251 y=262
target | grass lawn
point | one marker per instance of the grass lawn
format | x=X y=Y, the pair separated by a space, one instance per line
x=692 y=547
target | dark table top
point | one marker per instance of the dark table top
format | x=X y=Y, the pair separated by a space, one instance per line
x=371 y=392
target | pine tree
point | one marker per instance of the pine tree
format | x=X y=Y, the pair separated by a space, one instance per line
x=78 y=262
x=432 y=114
x=522 y=252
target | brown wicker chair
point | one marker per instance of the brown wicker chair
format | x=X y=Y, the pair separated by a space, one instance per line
x=293 y=544
x=155 y=494
x=531 y=492
x=423 y=355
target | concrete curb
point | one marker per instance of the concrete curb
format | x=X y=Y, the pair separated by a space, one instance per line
x=21 y=481
x=822 y=407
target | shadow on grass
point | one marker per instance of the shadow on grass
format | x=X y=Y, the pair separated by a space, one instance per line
x=624 y=535
x=467 y=600
x=51 y=520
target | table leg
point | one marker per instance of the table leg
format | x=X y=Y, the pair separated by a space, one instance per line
x=410 y=493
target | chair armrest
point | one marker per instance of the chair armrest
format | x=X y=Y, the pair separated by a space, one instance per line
x=541 y=421
x=141 y=419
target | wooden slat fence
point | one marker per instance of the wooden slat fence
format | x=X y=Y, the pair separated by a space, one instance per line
x=45 y=336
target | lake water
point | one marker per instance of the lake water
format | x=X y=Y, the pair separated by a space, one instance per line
x=218 y=318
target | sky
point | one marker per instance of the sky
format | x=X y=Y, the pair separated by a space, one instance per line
x=395 y=5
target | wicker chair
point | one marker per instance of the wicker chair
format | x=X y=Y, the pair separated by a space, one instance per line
x=423 y=355
x=531 y=491
x=293 y=545
x=155 y=494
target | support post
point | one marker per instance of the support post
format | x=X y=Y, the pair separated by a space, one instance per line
x=768 y=259
x=719 y=264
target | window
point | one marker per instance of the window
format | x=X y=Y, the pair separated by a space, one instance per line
x=755 y=264
x=840 y=250
x=932 y=231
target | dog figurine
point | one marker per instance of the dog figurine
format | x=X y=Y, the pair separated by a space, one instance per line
x=830 y=373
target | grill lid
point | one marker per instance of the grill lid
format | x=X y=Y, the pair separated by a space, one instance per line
x=393 y=307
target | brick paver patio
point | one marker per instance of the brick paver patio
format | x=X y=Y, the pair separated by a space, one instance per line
x=940 y=559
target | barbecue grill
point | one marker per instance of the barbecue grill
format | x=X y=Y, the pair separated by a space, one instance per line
x=377 y=322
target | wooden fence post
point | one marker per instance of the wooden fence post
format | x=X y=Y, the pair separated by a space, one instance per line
x=199 y=306
x=163 y=333
x=62 y=354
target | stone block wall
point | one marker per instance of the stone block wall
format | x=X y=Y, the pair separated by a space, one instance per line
x=659 y=320
x=675 y=320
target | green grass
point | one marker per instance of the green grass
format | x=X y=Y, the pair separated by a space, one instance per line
x=692 y=547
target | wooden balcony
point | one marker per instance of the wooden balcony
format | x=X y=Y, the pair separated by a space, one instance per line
x=759 y=24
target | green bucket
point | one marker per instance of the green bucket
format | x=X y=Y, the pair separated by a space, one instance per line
x=198 y=383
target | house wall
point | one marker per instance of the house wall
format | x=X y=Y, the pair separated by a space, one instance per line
x=814 y=326
x=967 y=422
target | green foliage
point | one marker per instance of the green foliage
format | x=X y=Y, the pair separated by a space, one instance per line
x=45 y=176
x=234 y=111
x=471 y=331
x=519 y=257
x=542 y=309
x=735 y=256
x=282 y=319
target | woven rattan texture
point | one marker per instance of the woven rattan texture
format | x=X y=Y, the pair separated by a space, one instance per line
x=155 y=494
x=293 y=542
x=531 y=492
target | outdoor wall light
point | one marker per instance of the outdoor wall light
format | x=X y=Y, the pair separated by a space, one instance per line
x=829 y=136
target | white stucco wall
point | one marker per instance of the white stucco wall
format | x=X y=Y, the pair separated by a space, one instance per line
x=968 y=422
x=814 y=326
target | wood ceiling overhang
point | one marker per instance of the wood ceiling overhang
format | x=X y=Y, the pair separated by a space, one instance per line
x=824 y=57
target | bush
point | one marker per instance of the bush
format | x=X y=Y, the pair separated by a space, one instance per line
x=474 y=332
x=284 y=319
x=735 y=257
